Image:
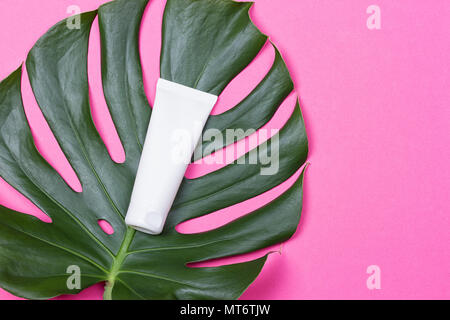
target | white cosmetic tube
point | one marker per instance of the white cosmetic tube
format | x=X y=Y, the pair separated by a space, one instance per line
x=177 y=121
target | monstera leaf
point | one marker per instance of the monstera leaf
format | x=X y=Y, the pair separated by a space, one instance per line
x=206 y=43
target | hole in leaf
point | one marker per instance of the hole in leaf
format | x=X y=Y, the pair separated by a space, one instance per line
x=150 y=46
x=105 y=226
x=14 y=200
x=247 y=80
x=235 y=259
x=44 y=139
x=222 y=158
x=99 y=109
x=221 y=217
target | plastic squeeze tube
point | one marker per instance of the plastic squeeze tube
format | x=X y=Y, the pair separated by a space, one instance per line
x=178 y=117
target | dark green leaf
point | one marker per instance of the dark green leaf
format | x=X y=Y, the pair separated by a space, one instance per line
x=205 y=45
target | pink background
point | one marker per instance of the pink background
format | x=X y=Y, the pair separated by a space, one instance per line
x=377 y=110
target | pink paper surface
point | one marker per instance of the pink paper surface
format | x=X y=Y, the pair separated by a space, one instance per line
x=377 y=109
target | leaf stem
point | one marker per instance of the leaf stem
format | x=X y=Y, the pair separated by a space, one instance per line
x=117 y=263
